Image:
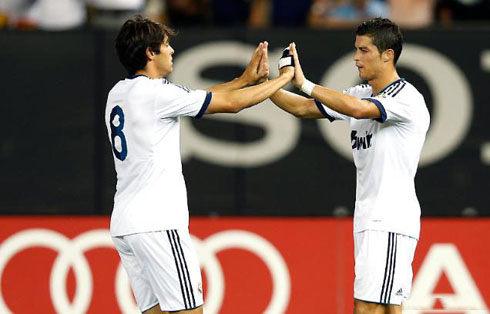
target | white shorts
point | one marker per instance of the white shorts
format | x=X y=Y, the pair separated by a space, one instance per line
x=163 y=269
x=383 y=266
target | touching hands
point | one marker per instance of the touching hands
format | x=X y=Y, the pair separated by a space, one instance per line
x=287 y=72
x=299 y=77
x=258 y=68
x=263 y=69
x=286 y=63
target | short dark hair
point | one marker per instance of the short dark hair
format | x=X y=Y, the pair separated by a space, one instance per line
x=135 y=36
x=384 y=33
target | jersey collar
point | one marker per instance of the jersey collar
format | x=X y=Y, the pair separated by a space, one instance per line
x=386 y=87
x=130 y=77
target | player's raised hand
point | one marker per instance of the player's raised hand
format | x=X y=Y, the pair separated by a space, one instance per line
x=299 y=77
x=263 y=69
x=287 y=71
x=286 y=63
x=251 y=73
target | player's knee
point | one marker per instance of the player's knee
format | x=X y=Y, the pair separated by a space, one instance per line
x=361 y=307
x=154 y=310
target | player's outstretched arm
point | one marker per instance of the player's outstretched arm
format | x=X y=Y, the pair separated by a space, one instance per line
x=296 y=105
x=253 y=73
x=236 y=100
x=341 y=103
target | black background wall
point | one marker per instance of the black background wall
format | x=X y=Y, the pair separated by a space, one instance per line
x=56 y=159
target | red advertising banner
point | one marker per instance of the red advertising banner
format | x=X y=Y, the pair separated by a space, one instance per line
x=250 y=265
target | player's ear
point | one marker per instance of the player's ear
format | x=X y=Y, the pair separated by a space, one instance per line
x=388 y=55
x=149 y=53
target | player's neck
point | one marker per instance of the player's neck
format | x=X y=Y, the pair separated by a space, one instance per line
x=383 y=80
x=143 y=72
x=150 y=72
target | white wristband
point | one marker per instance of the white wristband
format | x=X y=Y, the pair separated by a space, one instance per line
x=307 y=87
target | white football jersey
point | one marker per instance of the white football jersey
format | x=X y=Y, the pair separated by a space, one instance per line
x=142 y=119
x=386 y=154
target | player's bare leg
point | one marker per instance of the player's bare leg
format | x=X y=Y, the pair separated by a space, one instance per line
x=393 y=309
x=361 y=307
x=156 y=310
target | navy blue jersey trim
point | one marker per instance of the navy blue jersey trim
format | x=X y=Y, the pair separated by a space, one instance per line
x=392 y=89
x=390 y=266
x=189 y=300
x=205 y=105
x=181 y=263
x=179 y=270
x=393 y=269
x=386 y=278
x=179 y=246
x=381 y=109
x=399 y=89
x=389 y=85
x=135 y=76
x=322 y=110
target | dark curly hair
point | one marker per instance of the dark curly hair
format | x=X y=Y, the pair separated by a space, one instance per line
x=384 y=33
x=135 y=36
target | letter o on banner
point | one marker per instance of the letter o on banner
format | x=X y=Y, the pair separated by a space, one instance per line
x=281 y=130
x=452 y=108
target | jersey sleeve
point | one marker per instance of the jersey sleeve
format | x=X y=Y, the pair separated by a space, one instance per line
x=333 y=115
x=392 y=109
x=175 y=100
x=330 y=114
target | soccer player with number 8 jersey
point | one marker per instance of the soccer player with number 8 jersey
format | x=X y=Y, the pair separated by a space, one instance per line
x=149 y=223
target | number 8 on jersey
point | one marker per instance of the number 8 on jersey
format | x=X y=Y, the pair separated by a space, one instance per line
x=116 y=131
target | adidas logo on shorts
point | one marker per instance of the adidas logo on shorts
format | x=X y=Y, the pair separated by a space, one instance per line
x=399 y=292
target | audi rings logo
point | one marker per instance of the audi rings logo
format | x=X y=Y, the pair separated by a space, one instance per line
x=207 y=250
x=71 y=255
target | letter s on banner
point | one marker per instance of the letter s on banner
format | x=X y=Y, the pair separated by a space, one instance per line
x=452 y=107
x=281 y=129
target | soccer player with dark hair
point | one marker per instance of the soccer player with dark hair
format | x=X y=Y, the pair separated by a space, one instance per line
x=149 y=222
x=388 y=120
